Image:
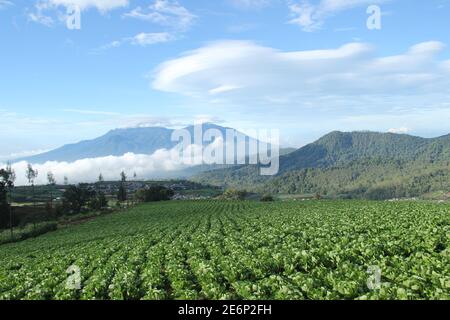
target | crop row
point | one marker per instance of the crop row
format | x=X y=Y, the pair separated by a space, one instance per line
x=240 y=250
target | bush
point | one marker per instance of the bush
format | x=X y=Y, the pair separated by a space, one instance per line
x=76 y=197
x=234 y=194
x=267 y=198
x=59 y=210
x=4 y=207
x=99 y=202
x=4 y=214
x=29 y=231
x=155 y=193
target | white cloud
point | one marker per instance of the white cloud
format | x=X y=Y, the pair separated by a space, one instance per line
x=429 y=121
x=142 y=39
x=126 y=120
x=145 y=39
x=401 y=130
x=222 y=89
x=41 y=19
x=311 y=17
x=166 y=13
x=86 y=170
x=446 y=65
x=249 y=4
x=206 y=118
x=5 y=3
x=264 y=74
x=48 y=11
x=40 y=16
x=160 y=164
x=101 y=5
x=156 y=165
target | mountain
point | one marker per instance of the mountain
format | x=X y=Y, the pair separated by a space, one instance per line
x=343 y=147
x=353 y=164
x=119 y=142
x=116 y=143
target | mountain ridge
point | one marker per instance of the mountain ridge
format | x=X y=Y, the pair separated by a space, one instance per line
x=117 y=142
x=351 y=162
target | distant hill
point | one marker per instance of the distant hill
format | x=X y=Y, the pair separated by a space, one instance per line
x=342 y=147
x=355 y=164
x=117 y=143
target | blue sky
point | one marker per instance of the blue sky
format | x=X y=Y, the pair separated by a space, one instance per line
x=304 y=67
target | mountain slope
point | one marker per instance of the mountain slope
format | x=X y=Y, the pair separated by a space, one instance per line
x=341 y=147
x=355 y=164
x=118 y=142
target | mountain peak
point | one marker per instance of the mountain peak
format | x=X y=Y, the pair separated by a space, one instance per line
x=117 y=142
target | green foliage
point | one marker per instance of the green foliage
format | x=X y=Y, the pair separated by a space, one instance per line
x=4 y=208
x=267 y=198
x=370 y=179
x=240 y=250
x=235 y=194
x=76 y=197
x=155 y=193
x=51 y=178
x=122 y=193
x=7 y=177
x=98 y=201
x=28 y=231
x=31 y=174
x=351 y=165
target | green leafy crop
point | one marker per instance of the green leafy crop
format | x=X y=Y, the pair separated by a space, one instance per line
x=241 y=250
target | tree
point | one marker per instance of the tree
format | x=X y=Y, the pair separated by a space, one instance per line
x=98 y=201
x=155 y=193
x=12 y=174
x=134 y=194
x=76 y=197
x=123 y=177
x=11 y=180
x=51 y=184
x=4 y=207
x=122 y=193
x=31 y=175
x=7 y=177
x=51 y=178
x=66 y=181
x=101 y=200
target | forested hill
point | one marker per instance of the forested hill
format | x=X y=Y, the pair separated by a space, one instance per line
x=340 y=148
x=356 y=164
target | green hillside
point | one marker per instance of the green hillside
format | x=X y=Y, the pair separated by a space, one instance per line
x=358 y=164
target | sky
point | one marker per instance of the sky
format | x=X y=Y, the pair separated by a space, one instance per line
x=303 y=67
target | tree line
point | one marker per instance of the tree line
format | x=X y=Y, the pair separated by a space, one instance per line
x=75 y=199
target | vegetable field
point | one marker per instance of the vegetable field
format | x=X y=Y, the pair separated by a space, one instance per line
x=240 y=250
